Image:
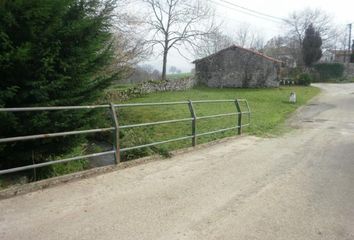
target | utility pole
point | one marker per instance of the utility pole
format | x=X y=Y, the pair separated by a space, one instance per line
x=350 y=40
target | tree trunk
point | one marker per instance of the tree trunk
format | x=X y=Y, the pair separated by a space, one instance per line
x=164 y=64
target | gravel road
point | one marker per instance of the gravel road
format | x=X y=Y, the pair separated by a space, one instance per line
x=297 y=186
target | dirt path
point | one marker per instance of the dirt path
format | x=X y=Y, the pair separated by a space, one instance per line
x=298 y=186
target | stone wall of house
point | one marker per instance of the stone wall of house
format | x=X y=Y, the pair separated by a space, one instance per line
x=349 y=70
x=150 y=87
x=237 y=68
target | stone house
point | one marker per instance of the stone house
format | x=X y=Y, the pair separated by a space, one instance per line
x=238 y=67
x=327 y=56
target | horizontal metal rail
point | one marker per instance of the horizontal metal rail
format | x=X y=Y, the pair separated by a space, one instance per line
x=214 y=101
x=17 y=169
x=155 y=123
x=31 y=109
x=218 y=115
x=53 y=108
x=149 y=104
x=116 y=148
x=180 y=138
x=217 y=131
x=156 y=143
x=49 y=135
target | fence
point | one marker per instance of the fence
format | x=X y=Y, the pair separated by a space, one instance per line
x=116 y=127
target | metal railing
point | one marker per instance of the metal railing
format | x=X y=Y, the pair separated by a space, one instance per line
x=116 y=151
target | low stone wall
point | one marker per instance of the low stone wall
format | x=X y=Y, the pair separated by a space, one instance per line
x=168 y=85
x=150 y=87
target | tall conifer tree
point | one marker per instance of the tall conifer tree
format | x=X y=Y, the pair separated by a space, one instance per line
x=52 y=52
x=311 y=47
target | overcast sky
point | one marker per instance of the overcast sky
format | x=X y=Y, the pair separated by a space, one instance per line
x=231 y=17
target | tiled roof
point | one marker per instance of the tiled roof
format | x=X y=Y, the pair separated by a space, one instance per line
x=238 y=47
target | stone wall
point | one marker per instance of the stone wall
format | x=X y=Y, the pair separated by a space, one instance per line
x=150 y=87
x=168 y=85
x=237 y=67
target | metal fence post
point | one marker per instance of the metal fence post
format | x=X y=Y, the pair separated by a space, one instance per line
x=239 y=118
x=116 y=145
x=249 y=112
x=194 y=122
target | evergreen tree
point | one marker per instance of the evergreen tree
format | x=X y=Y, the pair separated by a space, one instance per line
x=52 y=52
x=311 y=47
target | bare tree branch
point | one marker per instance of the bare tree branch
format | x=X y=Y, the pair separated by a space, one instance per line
x=175 y=23
x=297 y=23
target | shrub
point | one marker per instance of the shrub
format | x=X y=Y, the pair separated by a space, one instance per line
x=294 y=72
x=304 y=79
x=328 y=71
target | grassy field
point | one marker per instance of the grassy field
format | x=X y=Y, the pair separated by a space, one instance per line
x=178 y=75
x=269 y=107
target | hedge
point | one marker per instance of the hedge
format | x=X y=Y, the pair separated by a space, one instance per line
x=329 y=71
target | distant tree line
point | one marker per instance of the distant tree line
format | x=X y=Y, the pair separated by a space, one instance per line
x=141 y=73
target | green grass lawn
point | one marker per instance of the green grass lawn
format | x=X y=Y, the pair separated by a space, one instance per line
x=269 y=107
x=178 y=75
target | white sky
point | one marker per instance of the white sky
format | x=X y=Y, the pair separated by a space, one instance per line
x=341 y=10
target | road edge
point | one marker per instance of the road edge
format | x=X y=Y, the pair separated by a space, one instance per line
x=55 y=181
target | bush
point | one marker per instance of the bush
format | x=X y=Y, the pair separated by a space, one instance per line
x=328 y=71
x=294 y=72
x=304 y=79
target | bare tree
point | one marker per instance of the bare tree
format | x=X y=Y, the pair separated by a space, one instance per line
x=173 y=69
x=339 y=38
x=297 y=23
x=248 y=37
x=147 y=68
x=141 y=73
x=282 y=48
x=129 y=50
x=242 y=35
x=128 y=41
x=174 y=23
x=213 y=43
x=257 y=41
